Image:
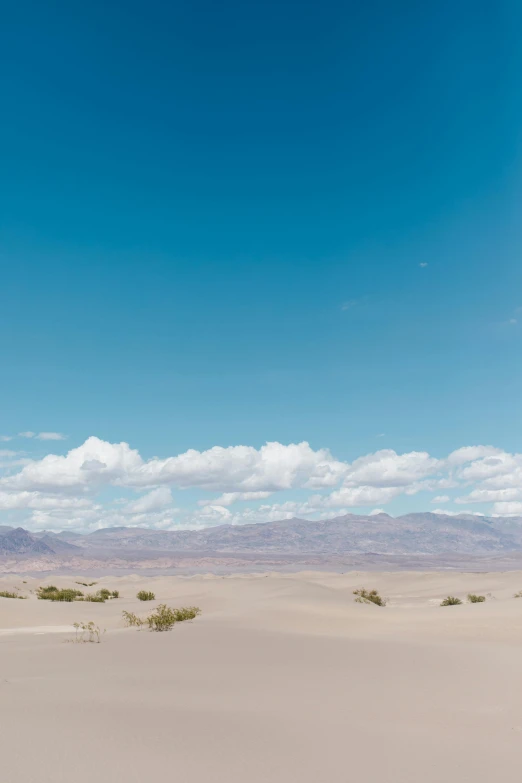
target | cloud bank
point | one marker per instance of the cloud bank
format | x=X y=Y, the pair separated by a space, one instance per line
x=99 y=484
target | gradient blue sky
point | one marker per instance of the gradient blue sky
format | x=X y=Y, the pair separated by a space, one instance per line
x=231 y=223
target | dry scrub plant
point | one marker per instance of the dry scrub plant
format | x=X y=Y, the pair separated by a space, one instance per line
x=163 y=618
x=451 y=601
x=363 y=596
x=87 y=632
x=145 y=595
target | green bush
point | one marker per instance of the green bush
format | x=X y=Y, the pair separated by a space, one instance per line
x=7 y=594
x=95 y=598
x=49 y=589
x=52 y=593
x=104 y=593
x=186 y=613
x=144 y=595
x=476 y=599
x=363 y=596
x=163 y=618
x=451 y=601
x=115 y=594
x=132 y=619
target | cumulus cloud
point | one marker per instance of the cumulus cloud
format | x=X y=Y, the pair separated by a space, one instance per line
x=386 y=468
x=62 y=490
x=152 y=501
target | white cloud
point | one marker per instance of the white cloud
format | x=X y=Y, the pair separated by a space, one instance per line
x=234 y=469
x=471 y=453
x=228 y=498
x=50 y=436
x=38 y=500
x=62 y=490
x=374 y=512
x=152 y=501
x=423 y=264
x=5 y=438
x=27 y=434
x=356 y=496
x=507 y=509
x=386 y=468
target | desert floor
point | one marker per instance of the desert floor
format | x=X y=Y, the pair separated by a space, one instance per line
x=282 y=678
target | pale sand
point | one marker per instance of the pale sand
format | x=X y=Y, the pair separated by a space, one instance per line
x=283 y=678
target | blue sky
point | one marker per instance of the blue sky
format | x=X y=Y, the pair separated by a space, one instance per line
x=230 y=224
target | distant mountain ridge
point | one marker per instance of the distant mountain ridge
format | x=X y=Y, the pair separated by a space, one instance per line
x=418 y=533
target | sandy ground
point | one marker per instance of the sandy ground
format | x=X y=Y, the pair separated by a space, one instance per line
x=282 y=678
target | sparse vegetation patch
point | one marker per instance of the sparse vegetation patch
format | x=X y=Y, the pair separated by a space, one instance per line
x=7 y=594
x=51 y=593
x=363 y=596
x=451 y=601
x=163 y=618
x=87 y=632
x=145 y=595
x=476 y=599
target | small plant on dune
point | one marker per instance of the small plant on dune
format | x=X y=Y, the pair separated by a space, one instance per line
x=48 y=589
x=163 y=618
x=476 y=599
x=87 y=632
x=363 y=596
x=518 y=595
x=104 y=593
x=186 y=613
x=115 y=594
x=51 y=593
x=145 y=595
x=7 y=594
x=132 y=620
x=451 y=601
x=95 y=598
x=86 y=584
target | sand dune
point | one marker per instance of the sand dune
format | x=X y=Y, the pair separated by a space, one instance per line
x=282 y=678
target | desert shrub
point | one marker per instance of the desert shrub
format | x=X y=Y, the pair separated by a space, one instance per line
x=163 y=619
x=95 y=598
x=451 y=601
x=86 y=584
x=145 y=595
x=52 y=593
x=132 y=620
x=87 y=632
x=49 y=589
x=115 y=594
x=518 y=595
x=104 y=593
x=476 y=599
x=7 y=594
x=186 y=613
x=363 y=596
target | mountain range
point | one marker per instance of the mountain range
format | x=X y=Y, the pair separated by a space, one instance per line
x=419 y=533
